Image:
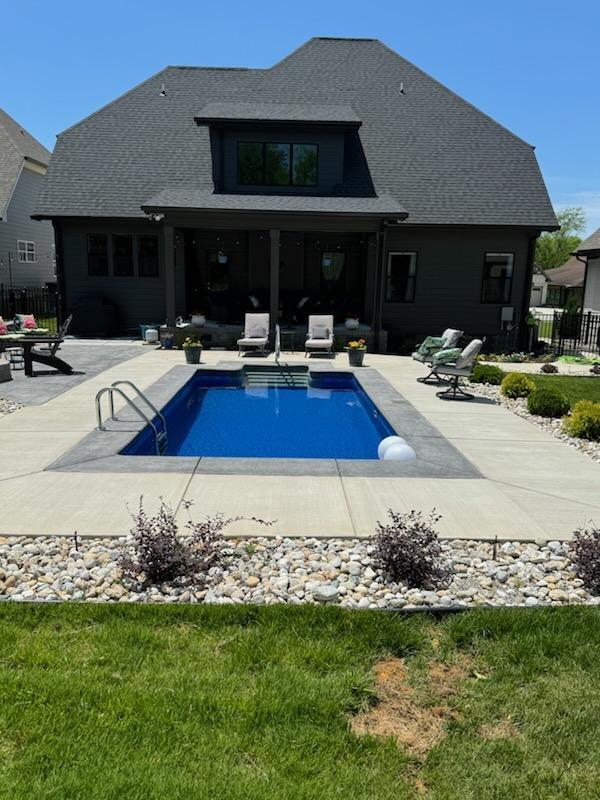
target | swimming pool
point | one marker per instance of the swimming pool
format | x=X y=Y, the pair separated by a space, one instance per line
x=219 y=414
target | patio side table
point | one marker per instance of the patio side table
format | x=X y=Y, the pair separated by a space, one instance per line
x=15 y=357
x=288 y=339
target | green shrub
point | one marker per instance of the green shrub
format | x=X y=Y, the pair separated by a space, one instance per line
x=516 y=384
x=547 y=403
x=584 y=421
x=482 y=373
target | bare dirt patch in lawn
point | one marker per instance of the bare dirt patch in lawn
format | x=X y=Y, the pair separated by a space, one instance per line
x=402 y=711
x=503 y=729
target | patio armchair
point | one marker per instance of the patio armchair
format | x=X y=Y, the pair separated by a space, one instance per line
x=319 y=338
x=256 y=333
x=433 y=344
x=460 y=366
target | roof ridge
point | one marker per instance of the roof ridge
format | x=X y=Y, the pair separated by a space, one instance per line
x=219 y=69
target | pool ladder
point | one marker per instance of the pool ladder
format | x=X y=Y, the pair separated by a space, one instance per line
x=160 y=435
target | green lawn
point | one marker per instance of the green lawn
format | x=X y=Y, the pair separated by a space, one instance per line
x=574 y=387
x=48 y=322
x=139 y=702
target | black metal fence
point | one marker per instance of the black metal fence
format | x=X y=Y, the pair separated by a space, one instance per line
x=565 y=333
x=41 y=302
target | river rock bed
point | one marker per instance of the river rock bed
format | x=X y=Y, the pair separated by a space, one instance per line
x=552 y=426
x=295 y=571
x=8 y=406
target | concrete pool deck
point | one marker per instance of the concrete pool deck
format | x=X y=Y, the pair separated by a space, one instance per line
x=532 y=487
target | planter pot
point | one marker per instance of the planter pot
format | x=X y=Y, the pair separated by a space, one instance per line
x=356 y=357
x=352 y=324
x=167 y=342
x=192 y=354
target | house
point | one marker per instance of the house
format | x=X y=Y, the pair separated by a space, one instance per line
x=561 y=287
x=539 y=287
x=343 y=178
x=589 y=251
x=26 y=245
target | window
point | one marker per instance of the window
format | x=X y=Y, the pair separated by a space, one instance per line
x=305 y=165
x=25 y=251
x=277 y=164
x=401 y=276
x=497 y=277
x=97 y=254
x=148 y=256
x=250 y=163
x=122 y=256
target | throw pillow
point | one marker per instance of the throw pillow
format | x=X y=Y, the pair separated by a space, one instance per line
x=256 y=332
x=448 y=356
x=320 y=332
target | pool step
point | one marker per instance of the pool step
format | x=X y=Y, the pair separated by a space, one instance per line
x=280 y=377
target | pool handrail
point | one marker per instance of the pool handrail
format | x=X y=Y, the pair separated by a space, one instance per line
x=160 y=437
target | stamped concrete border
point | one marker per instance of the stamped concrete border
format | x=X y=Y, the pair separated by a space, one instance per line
x=99 y=451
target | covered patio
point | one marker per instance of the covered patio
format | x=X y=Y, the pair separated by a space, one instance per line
x=227 y=255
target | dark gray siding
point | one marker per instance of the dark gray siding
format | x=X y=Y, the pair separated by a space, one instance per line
x=19 y=225
x=330 y=169
x=138 y=299
x=449 y=279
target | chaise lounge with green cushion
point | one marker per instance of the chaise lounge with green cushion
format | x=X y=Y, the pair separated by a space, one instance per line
x=432 y=345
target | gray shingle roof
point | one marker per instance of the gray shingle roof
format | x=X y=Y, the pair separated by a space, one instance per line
x=571 y=274
x=384 y=205
x=591 y=244
x=16 y=144
x=437 y=155
x=279 y=112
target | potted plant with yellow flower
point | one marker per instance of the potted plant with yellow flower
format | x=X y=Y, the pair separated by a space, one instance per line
x=356 y=352
x=192 y=347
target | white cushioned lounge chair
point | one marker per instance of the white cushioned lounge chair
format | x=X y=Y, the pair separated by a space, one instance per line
x=319 y=338
x=461 y=367
x=432 y=345
x=256 y=333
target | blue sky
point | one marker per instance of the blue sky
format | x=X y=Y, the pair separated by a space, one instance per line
x=532 y=65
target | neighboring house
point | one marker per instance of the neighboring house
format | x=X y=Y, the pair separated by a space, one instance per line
x=589 y=250
x=343 y=178
x=26 y=245
x=539 y=287
x=561 y=287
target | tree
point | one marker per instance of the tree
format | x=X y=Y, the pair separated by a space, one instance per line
x=553 y=249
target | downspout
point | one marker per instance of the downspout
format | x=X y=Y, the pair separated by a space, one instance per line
x=583 y=260
x=381 y=251
x=60 y=272
x=523 y=327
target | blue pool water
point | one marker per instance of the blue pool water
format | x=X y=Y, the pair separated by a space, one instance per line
x=211 y=416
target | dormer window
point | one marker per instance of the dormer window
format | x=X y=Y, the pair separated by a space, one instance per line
x=277 y=164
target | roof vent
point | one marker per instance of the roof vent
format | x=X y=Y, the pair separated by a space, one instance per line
x=163 y=91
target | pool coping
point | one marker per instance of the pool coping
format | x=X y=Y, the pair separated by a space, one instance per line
x=99 y=451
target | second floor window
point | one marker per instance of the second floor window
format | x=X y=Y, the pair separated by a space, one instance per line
x=26 y=251
x=277 y=164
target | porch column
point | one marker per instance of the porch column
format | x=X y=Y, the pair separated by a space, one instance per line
x=169 y=261
x=274 y=277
